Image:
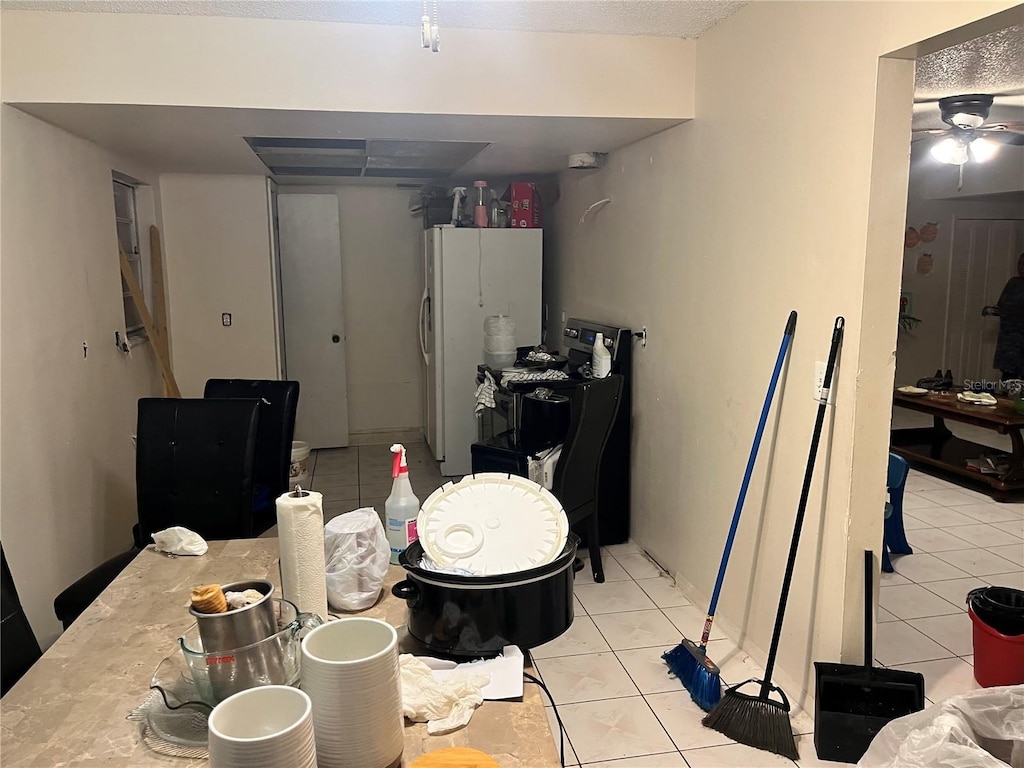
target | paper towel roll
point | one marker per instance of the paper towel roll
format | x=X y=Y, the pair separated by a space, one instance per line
x=300 y=535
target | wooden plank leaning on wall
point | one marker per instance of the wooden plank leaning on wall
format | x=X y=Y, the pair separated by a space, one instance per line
x=157 y=332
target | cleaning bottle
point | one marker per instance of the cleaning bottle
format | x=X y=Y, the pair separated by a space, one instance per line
x=601 y=358
x=402 y=506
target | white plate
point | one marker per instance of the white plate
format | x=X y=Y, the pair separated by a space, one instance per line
x=492 y=523
x=914 y=391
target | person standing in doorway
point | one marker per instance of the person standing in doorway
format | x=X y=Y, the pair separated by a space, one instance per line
x=1009 y=358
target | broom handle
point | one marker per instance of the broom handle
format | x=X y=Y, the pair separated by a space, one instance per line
x=787 y=337
x=837 y=340
x=869 y=575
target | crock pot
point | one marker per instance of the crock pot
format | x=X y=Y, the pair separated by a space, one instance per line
x=475 y=616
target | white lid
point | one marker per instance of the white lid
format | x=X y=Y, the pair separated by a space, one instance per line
x=492 y=523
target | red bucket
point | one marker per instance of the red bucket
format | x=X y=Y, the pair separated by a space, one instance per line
x=998 y=658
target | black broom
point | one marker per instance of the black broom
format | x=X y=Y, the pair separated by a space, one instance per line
x=759 y=721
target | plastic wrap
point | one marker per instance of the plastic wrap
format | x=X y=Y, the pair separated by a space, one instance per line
x=980 y=729
x=357 y=553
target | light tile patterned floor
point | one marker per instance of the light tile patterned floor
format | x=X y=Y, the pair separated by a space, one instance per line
x=619 y=706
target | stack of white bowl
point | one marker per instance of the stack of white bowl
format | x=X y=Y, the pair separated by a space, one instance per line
x=350 y=671
x=267 y=726
x=499 y=341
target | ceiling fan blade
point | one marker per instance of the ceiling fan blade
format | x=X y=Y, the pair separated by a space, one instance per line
x=1004 y=126
x=1003 y=137
x=929 y=131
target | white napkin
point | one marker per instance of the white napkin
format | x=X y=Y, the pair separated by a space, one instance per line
x=446 y=704
x=179 y=541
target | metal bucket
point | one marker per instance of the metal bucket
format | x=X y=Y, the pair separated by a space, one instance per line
x=241 y=626
x=272 y=661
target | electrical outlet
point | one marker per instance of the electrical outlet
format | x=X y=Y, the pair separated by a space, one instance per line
x=225 y=319
x=819 y=378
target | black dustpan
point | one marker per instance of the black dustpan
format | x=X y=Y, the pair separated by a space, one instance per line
x=852 y=702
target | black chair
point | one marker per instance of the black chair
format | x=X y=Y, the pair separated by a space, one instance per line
x=594 y=405
x=194 y=468
x=278 y=403
x=19 y=648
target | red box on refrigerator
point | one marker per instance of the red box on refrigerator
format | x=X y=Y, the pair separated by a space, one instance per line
x=527 y=208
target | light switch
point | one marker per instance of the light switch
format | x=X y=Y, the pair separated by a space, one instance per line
x=225 y=319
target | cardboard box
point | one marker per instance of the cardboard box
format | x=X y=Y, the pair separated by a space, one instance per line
x=527 y=208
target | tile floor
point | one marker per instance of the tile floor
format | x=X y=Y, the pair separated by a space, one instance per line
x=620 y=708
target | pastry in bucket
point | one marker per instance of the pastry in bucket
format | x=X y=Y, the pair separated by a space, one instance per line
x=209 y=599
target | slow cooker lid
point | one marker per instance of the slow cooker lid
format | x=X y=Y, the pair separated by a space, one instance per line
x=492 y=523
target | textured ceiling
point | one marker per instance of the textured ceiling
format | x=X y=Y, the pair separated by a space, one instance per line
x=670 y=18
x=992 y=64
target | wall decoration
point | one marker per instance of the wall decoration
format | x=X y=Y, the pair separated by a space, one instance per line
x=911 y=238
x=929 y=232
x=925 y=262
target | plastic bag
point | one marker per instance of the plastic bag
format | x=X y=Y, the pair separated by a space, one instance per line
x=180 y=541
x=357 y=553
x=980 y=729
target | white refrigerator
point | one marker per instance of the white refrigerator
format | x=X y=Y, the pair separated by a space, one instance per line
x=470 y=274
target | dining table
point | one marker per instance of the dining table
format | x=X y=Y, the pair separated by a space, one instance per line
x=72 y=707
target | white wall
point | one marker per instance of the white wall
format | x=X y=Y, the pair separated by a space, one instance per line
x=717 y=228
x=216 y=61
x=68 y=492
x=920 y=351
x=217 y=252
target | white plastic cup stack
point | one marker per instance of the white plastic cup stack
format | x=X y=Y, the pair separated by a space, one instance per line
x=499 y=341
x=350 y=671
x=267 y=726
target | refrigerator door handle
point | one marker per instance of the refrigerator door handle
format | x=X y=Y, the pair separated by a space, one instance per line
x=424 y=307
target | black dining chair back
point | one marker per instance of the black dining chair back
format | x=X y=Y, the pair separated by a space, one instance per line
x=194 y=466
x=278 y=403
x=593 y=407
x=19 y=648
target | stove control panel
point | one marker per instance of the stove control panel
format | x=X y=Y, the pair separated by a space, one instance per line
x=579 y=337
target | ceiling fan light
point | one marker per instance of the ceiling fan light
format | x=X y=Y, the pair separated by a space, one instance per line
x=983 y=149
x=950 y=151
x=967 y=120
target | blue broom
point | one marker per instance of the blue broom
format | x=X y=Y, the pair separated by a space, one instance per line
x=688 y=661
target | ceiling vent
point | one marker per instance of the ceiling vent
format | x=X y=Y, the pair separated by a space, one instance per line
x=365 y=158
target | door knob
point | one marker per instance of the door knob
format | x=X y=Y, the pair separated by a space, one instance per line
x=335 y=338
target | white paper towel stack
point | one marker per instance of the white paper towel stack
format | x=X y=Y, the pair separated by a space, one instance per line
x=300 y=534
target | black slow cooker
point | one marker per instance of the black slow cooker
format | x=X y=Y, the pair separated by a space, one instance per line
x=476 y=616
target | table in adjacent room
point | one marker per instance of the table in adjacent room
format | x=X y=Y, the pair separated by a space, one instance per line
x=937 y=448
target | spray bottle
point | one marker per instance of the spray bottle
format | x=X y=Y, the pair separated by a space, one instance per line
x=401 y=507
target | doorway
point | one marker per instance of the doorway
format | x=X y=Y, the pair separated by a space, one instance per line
x=983 y=258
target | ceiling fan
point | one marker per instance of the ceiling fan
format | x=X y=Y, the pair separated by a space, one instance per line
x=968 y=137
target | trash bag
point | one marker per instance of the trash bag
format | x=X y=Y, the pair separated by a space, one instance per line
x=357 y=554
x=980 y=729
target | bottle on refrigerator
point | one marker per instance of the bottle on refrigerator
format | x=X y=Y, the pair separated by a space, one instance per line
x=481 y=204
x=401 y=507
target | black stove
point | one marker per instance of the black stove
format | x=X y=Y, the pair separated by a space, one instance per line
x=507 y=440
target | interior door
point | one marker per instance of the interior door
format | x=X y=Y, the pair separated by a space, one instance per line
x=313 y=316
x=983 y=258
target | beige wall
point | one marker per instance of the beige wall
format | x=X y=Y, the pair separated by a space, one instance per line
x=68 y=492
x=217 y=243
x=717 y=228
x=211 y=61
